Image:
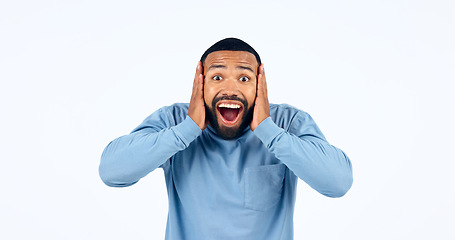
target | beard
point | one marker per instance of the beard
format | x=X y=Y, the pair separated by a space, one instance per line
x=229 y=133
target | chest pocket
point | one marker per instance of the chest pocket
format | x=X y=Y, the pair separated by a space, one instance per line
x=263 y=186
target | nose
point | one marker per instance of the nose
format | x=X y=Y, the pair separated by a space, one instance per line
x=230 y=87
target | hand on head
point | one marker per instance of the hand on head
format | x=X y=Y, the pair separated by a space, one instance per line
x=261 y=104
x=196 y=110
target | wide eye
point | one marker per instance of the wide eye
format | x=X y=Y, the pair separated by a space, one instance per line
x=216 y=78
x=244 y=79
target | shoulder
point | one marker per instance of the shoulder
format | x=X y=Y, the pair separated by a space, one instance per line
x=165 y=117
x=283 y=107
x=174 y=113
x=284 y=114
x=177 y=110
x=295 y=121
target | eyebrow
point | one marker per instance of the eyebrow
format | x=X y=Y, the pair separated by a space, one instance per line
x=216 y=66
x=245 y=68
x=223 y=66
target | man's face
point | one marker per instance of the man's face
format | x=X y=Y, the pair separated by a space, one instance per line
x=229 y=91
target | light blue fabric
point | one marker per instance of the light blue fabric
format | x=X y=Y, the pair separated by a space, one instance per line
x=229 y=189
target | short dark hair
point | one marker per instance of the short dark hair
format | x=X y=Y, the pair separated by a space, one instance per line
x=230 y=44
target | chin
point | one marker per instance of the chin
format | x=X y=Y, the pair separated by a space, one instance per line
x=230 y=130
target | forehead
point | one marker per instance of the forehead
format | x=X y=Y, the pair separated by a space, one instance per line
x=231 y=57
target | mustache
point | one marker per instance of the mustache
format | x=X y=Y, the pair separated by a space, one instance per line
x=226 y=97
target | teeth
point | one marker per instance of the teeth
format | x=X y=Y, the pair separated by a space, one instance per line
x=226 y=105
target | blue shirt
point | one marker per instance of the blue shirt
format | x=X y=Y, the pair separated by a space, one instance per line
x=229 y=189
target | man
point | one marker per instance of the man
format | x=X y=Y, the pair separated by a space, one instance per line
x=231 y=160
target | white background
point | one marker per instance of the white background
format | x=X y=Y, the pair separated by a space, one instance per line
x=377 y=76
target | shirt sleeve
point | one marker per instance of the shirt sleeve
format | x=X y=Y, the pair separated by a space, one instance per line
x=304 y=150
x=127 y=159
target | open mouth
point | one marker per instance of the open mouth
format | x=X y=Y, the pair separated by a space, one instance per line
x=230 y=112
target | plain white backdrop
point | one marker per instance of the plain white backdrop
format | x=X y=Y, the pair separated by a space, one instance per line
x=377 y=76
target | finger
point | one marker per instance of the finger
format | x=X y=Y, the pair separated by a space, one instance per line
x=198 y=72
x=264 y=80
x=262 y=85
x=197 y=78
x=200 y=88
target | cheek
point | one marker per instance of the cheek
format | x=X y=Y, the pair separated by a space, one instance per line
x=250 y=95
x=208 y=95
